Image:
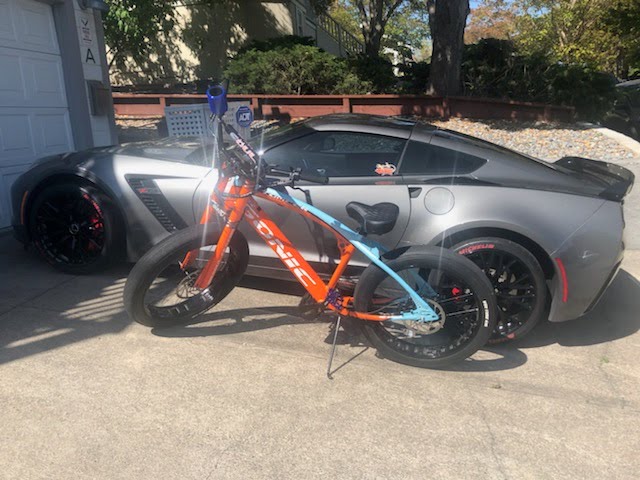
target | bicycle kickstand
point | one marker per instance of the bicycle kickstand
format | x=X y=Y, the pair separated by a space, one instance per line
x=333 y=346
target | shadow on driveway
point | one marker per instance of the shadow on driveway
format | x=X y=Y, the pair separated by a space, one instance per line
x=614 y=317
x=42 y=310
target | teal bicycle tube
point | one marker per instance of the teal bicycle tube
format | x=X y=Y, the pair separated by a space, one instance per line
x=422 y=312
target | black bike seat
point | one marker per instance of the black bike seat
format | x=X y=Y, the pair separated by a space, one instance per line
x=377 y=219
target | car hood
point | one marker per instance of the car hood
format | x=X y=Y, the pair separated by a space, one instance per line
x=189 y=150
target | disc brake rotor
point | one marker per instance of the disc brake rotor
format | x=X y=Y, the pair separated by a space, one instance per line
x=186 y=288
x=416 y=327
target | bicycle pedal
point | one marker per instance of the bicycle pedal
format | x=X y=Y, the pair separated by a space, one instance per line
x=310 y=309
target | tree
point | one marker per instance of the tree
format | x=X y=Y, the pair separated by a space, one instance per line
x=131 y=25
x=405 y=31
x=408 y=30
x=569 y=31
x=601 y=33
x=492 y=19
x=375 y=15
x=367 y=20
x=622 y=18
x=447 y=20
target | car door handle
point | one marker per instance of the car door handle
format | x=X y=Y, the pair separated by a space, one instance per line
x=414 y=191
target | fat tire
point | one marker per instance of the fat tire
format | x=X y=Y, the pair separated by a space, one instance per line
x=428 y=258
x=159 y=257
x=540 y=310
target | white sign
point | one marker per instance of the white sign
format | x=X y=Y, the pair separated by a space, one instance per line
x=85 y=27
x=86 y=35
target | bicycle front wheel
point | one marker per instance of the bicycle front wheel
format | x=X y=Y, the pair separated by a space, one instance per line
x=452 y=285
x=160 y=292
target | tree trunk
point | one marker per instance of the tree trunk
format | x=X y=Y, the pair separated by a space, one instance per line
x=374 y=16
x=372 y=40
x=447 y=20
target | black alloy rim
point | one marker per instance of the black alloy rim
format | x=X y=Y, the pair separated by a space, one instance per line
x=70 y=228
x=462 y=314
x=514 y=287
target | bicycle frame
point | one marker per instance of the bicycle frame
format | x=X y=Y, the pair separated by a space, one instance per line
x=232 y=198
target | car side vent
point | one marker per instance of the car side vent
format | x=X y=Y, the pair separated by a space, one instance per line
x=148 y=192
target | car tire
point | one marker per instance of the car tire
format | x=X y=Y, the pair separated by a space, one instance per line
x=75 y=228
x=509 y=264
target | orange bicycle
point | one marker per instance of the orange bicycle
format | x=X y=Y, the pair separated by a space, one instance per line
x=420 y=305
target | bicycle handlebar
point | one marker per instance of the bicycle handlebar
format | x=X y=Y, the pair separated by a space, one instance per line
x=310 y=177
x=217 y=97
x=295 y=175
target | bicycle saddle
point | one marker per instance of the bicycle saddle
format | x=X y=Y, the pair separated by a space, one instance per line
x=377 y=219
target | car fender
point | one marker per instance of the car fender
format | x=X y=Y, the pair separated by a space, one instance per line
x=547 y=218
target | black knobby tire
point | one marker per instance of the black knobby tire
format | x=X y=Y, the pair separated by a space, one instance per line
x=444 y=270
x=165 y=257
x=76 y=228
x=518 y=282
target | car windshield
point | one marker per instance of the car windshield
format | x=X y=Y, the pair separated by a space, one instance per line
x=270 y=136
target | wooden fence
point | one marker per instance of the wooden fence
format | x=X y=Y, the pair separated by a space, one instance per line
x=296 y=106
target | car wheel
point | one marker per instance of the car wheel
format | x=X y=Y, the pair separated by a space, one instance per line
x=75 y=228
x=518 y=282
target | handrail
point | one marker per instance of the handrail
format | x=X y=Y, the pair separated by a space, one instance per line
x=344 y=38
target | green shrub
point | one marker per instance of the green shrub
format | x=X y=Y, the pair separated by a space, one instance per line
x=297 y=69
x=592 y=93
x=493 y=68
x=415 y=77
x=378 y=71
x=286 y=41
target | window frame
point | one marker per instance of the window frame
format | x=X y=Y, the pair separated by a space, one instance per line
x=400 y=155
x=445 y=143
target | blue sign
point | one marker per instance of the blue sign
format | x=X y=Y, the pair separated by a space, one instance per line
x=244 y=116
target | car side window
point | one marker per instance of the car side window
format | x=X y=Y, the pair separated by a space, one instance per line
x=426 y=159
x=339 y=154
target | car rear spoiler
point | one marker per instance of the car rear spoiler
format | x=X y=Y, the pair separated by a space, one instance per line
x=615 y=180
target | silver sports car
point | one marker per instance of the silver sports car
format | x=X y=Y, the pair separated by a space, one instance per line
x=549 y=235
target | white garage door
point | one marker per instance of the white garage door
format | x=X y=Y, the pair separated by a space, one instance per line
x=34 y=118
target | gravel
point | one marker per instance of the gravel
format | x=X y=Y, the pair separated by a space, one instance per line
x=548 y=141
x=137 y=129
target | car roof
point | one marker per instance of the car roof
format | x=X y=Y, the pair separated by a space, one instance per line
x=629 y=83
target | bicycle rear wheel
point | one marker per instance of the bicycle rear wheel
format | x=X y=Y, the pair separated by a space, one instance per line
x=160 y=292
x=459 y=293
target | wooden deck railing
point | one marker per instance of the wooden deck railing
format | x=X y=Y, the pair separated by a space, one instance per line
x=296 y=106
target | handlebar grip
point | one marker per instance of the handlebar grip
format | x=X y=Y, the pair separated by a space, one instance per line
x=310 y=177
x=217 y=96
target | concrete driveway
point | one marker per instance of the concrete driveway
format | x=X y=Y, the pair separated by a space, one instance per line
x=242 y=394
